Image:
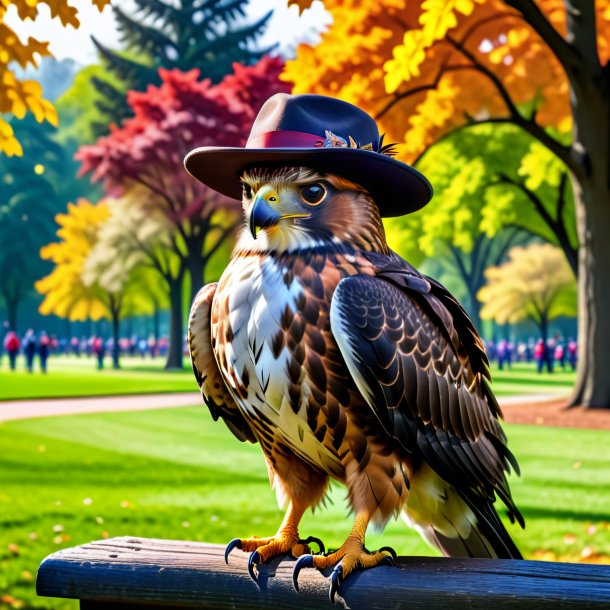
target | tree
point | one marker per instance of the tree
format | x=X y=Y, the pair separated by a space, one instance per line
x=17 y=97
x=495 y=187
x=74 y=291
x=30 y=196
x=148 y=151
x=209 y=35
x=535 y=284
x=141 y=239
x=432 y=68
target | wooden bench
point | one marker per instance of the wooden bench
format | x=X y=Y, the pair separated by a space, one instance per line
x=145 y=573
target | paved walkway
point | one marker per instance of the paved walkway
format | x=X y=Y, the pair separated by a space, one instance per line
x=25 y=409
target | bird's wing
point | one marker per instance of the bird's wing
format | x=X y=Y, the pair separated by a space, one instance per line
x=420 y=364
x=213 y=389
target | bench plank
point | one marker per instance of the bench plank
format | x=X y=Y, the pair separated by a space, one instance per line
x=121 y=572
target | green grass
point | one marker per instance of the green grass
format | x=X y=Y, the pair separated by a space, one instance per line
x=522 y=378
x=176 y=474
x=80 y=377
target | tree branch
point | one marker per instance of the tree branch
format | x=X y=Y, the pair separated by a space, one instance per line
x=528 y=124
x=567 y=56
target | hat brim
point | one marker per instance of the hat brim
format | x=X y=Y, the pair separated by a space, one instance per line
x=397 y=188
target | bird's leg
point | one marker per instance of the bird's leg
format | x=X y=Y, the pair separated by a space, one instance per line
x=285 y=541
x=351 y=555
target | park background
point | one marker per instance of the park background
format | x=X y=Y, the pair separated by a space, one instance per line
x=504 y=106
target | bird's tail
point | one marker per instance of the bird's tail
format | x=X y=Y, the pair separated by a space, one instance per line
x=457 y=526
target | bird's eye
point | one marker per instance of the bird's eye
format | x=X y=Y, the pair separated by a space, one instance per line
x=247 y=190
x=313 y=194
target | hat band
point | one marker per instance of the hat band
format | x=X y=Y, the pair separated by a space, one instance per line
x=285 y=139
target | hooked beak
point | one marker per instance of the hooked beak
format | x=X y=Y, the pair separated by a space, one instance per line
x=261 y=215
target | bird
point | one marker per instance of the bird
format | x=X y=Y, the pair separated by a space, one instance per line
x=337 y=356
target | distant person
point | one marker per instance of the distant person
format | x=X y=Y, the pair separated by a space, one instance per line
x=12 y=345
x=502 y=353
x=44 y=346
x=152 y=346
x=142 y=347
x=99 y=350
x=560 y=354
x=29 y=349
x=75 y=346
x=572 y=353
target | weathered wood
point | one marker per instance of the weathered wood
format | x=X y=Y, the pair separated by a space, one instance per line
x=119 y=572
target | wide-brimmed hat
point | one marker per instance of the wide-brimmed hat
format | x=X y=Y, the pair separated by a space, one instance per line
x=322 y=133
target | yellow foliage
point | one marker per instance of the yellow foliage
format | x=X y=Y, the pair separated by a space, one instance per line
x=66 y=294
x=17 y=97
x=419 y=67
x=536 y=283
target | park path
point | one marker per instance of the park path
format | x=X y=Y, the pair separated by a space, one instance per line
x=26 y=409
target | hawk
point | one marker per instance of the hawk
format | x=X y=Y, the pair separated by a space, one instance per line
x=336 y=355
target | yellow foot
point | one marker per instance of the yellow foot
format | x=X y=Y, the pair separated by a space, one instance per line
x=347 y=559
x=263 y=549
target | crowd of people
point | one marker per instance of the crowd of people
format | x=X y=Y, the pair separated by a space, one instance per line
x=555 y=352
x=547 y=354
x=42 y=345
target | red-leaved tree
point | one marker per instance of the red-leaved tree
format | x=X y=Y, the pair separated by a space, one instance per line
x=148 y=151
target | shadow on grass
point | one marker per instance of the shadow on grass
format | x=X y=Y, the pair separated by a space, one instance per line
x=562 y=513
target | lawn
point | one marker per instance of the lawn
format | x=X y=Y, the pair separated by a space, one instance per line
x=522 y=378
x=176 y=474
x=79 y=377
x=70 y=376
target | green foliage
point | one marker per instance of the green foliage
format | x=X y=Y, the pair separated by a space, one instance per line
x=79 y=116
x=476 y=175
x=31 y=194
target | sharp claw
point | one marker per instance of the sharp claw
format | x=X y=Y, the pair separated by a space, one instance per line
x=234 y=544
x=335 y=579
x=252 y=561
x=388 y=560
x=304 y=561
x=321 y=547
x=389 y=550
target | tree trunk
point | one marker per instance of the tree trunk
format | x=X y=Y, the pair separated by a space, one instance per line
x=156 y=320
x=196 y=268
x=591 y=108
x=116 y=348
x=174 y=355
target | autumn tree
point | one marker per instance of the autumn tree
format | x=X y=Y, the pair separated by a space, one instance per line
x=148 y=152
x=73 y=291
x=535 y=284
x=17 y=96
x=428 y=69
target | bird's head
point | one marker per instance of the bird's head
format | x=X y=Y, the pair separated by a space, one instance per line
x=296 y=208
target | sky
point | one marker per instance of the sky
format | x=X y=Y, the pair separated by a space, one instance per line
x=286 y=26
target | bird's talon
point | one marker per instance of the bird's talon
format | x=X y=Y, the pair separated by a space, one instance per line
x=391 y=551
x=321 y=547
x=234 y=544
x=252 y=562
x=388 y=560
x=304 y=561
x=335 y=578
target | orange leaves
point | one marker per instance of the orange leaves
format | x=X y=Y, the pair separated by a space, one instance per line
x=429 y=66
x=437 y=19
x=17 y=97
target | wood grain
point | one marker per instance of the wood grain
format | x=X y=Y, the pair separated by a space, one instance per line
x=119 y=572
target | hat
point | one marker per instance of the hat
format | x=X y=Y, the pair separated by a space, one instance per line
x=321 y=133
